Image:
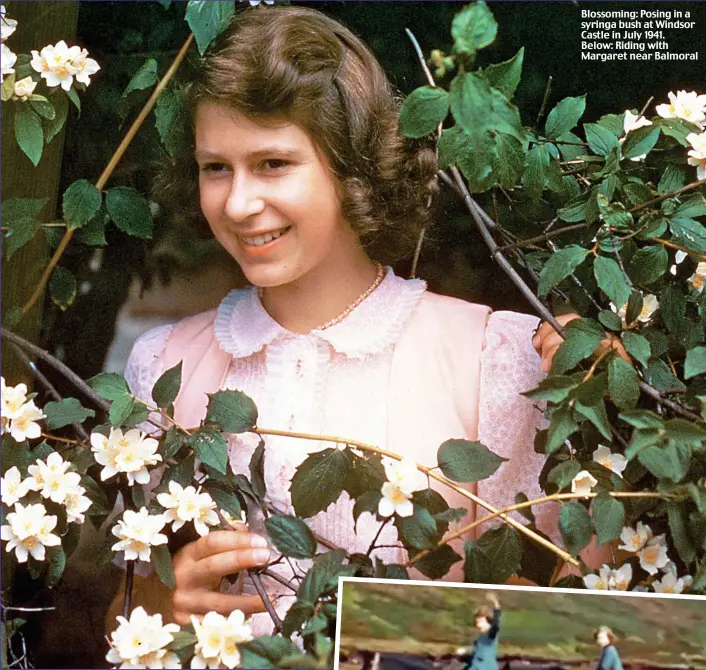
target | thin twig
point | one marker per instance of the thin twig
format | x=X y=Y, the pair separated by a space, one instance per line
x=478 y=216
x=688 y=187
x=420 y=55
x=129 y=579
x=108 y=171
x=675 y=407
x=377 y=535
x=27 y=609
x=544 y=237
x=430 y=473
x=278 y=578
x=529 y=503
x=644 y=107
x=545 y=100
x=417 y=252
x=54 y=362
x=257 y=583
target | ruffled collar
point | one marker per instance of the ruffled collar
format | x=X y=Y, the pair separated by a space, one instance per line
x=243 y=326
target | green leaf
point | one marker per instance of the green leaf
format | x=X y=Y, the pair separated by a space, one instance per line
x=130 y=211
x=225 y=500
x=109 y=385
x=608 y=517
x=162 y=561
x=438 y=562
x=597 y=415
x=688 y=233
x=668 y=462
x=182 y=473
x=233 y=411
x=73 y=96
x=600 y=140
x=64 y=412
x=692 y=207
x=93 y=233
x=367 y=502
x=42 y=106
x=672 y=307
x=166 y=113
x=207 y=20
x=640 y=141
x=257 y=470
x=575 y=527
x=553 y=388
x=610 y=320
x=503 y=549
x=476 y=158
x=476 y=568
x=29 y=133
x=418 y=531
x=448 y=147
x=577 y=346
x=52 y=127
x=508 y=160
x=564 y=117
x=660 y=376
x=573 y=213
x=673 y=178
x=464 y=461
x=473 y=28
x=291 y=536
x=534 y=177
x=695 y=363
x=561 y=427
x=637 y=193
x=62 y=287
x=623 y=383
x=676 y=514
x=319 y=481
x=57 y=563
x=634 y=307
x=120 y=409
x=611 y=280
x=505 y=76
x=170 y=443
x=20 y=216
x=648 y=264
x=166 y=388
x=297 y=615
x=210 y=447
x=637 y=346
x=364 y=474
x=181 y=638
x=563 y=474
x=422 y=111
x=470 y=101
x=641 y=418
x=81 y=203
x=144 y=78
x=559 y=266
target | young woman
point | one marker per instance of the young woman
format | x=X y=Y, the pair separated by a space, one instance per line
x=484 y=655
x=609 y=659
x=298 y=169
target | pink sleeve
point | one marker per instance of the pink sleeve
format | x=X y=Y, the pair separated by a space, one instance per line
x=507 y=421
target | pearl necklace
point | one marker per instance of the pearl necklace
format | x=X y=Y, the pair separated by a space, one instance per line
x=378 y=280
x=379 y=276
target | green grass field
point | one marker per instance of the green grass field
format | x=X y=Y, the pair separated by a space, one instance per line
x=437 y=620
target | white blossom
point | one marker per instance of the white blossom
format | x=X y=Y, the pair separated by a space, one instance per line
x=130 y=453
x=25 y=426
x=12 y=398
x=678 y=260
x=52 y=479
x=634 y=539
x=84 y=67
x=28 y=531
x=583 y=483
x=137 y=533
x=25 y=87
x=650 y=305
x=188 y=504
x=13 y=487
x=697 y=154
x=699 y=277
x=403 y=479
x=670 y=583
x=139 y=642
x=255 y=3
x=8 y=25
x=609 y=579
x=218 y=639
x=653 y=556
x=76 y=504
x=688 y=106
x=614 y=462
x=7 y=60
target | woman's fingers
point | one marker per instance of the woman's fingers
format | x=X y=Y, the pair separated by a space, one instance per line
x=218 y=541
x=209 y=571
x=199 y=601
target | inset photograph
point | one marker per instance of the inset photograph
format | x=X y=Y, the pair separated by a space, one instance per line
x=398 y=625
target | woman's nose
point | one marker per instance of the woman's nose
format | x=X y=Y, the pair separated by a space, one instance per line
x=245 y=199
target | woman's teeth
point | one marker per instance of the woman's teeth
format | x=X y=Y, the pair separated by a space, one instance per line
x=259 y=240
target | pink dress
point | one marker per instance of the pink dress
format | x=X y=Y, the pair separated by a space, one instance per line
x=404 y=371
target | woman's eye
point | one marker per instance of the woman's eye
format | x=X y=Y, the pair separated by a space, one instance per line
x=275 y=164
x=213 y=167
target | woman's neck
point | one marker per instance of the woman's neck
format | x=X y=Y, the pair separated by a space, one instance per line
x=321 y=294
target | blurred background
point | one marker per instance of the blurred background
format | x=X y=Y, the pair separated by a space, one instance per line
x=130 y=285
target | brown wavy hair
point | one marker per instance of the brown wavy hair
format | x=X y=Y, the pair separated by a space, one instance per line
x=298 y=64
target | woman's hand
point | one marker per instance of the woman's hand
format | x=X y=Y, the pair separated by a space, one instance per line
x=493 y=600
x=546 y=341
x=200 y=566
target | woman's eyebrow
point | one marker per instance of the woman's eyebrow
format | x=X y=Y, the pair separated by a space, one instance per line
x=280 y=151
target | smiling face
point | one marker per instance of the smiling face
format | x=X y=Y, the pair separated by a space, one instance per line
x=602 y=638
x=482 y=624
x=270 y=198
